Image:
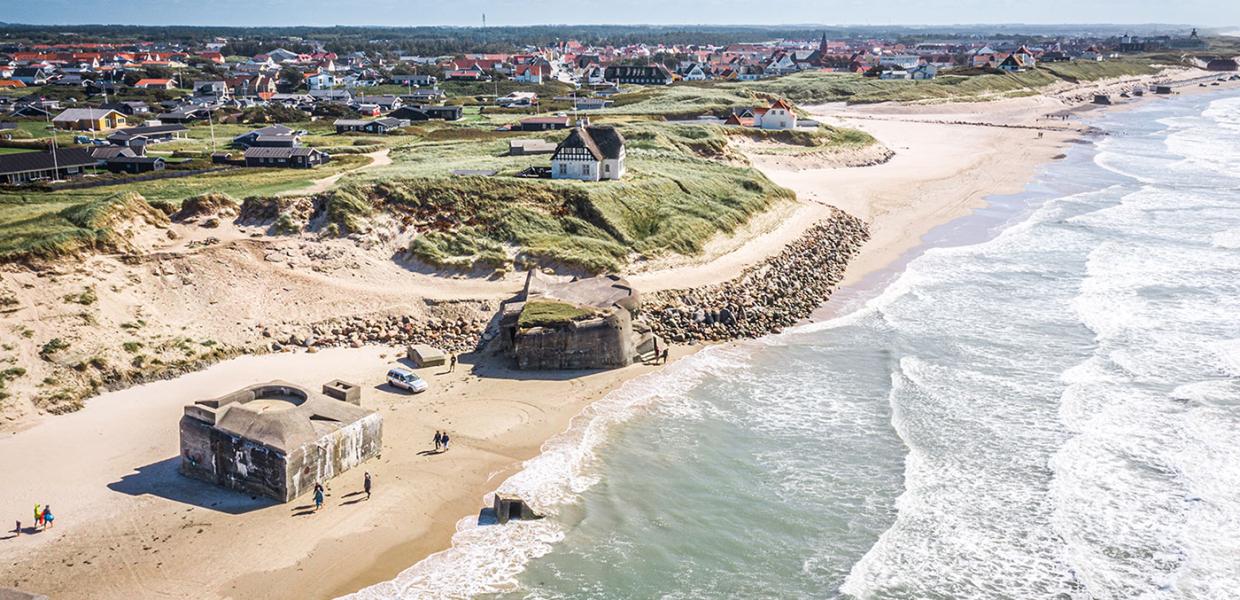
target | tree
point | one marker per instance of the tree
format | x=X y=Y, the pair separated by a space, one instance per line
x=291 y=78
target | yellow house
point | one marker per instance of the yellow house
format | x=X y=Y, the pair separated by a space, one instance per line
x=89 y=119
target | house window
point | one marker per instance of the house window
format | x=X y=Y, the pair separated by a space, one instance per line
x=607 y=169
x=563 y=169
x=585 y=169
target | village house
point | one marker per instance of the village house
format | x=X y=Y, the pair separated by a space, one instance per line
x=531 y=74
x=1091 y=53
x=695 y=72
x=271 y=136
x=102 y=153
x=424 y=113
x=380 y=126
x=542 y=123
x=147 y=84
x=299 y=157
x=648 y=75
x=779 y=115
x=134 y=164
x=24 y=167
x=517 y=99
x=1019 y=60
x=386 y=103
x=321 y=80
x=217 y=88
x=425 y=95
x=904 y=61
x=89 y=119
x=31 y=75
x=129 y=108
x=262 y=86
x=146 y=135
x=413 y=80
x=589 y=153
x=467 y=76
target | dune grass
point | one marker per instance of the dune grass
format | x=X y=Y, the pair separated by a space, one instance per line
x=676 y=195
x=816 y=87
x=36 y=223
x=547 y=313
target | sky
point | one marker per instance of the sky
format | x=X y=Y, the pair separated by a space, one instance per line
x=1205 y=13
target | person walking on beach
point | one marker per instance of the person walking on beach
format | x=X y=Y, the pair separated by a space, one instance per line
x=366 y=485
x=438 y=440
x=318 y=497
x=47 y=516
x=445 y=441
x=452 y=363
x=18 y=530
x=38 y=516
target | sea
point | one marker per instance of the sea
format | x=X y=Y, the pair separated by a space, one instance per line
x=1041 y=402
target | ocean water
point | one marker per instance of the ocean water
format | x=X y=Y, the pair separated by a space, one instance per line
x=1045 y=404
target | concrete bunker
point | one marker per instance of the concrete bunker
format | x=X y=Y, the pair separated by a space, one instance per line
x=277 y=439
x=572 y=323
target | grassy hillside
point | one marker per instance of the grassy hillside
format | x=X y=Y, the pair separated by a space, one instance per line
x=34 y=223
x=680 y=190
x=684 y=100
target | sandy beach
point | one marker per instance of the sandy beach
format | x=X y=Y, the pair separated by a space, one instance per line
x=133 y=527
x=129 y=526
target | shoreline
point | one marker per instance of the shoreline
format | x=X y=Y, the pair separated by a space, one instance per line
x=407 y=534
x=873 y=276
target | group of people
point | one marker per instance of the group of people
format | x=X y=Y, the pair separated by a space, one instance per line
x=367 y=484
x=441 y=441
x=43 y=518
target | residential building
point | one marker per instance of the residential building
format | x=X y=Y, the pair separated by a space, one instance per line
x=219 y=89
x=467 y=76
x=299 y=157
x=423 y=113
x=779 y=115
x=532 y=74
x=424 y=95
x=32 y=75
x=1092 y=53
x=517 y=99
x=648 y=75
x=272 y=136
x=143 y=136
x=24 y=167
x=154 y=83
x=386 y=103
x=321 y=80
x=135 y=164
x=542 y=123
x=89 y=119
x=380 y=126
x=414 y=80
x=130 y=108
x=589 y=153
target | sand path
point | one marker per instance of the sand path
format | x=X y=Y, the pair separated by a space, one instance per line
x=378 y=158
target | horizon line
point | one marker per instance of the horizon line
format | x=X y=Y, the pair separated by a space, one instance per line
x=637 y=25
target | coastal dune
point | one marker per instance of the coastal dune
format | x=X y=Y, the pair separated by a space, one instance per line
x=129 y=526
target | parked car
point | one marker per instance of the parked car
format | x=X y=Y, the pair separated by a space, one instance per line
x=405 y=380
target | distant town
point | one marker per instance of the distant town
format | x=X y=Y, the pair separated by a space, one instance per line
x=122 y=97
